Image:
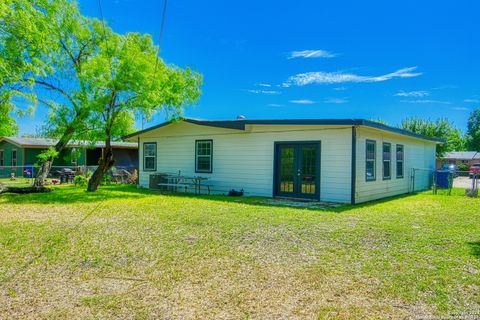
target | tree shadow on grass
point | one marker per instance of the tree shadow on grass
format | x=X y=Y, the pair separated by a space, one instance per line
x=70 y=194
x=475 y=248
x=277 y=202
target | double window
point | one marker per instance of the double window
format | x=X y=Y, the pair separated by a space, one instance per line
x=387 y=161
x=14 y=157
x=400 y=160
x=370 y=160
x=149 y=156
x=203 y=156
x=2 y=159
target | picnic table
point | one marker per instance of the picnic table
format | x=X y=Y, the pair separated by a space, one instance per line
x=185 y=181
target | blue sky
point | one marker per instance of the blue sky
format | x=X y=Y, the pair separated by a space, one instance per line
x=314 y=59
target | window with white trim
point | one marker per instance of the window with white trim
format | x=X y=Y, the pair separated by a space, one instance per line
x=387 y=161
x=400 y=161
x=203 y=156
x=149 y=156
x=370 y=160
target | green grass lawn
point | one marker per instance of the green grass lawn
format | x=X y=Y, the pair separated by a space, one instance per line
x=18 y=182
x=129 y=253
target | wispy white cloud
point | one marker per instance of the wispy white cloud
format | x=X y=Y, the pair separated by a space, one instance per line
x=311 y=54
x=471 y=100
x=335 y=100
x=426 y=101
x=446 y=86
x=321 y=77
x=340 y=88
x=416 y=94
x=302 y=101
x=275 y=105
x=264 y=91
x=266 y=85
x=461 y=109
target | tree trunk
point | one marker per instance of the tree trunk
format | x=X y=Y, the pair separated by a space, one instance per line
x=45 y=167
x=106 y=162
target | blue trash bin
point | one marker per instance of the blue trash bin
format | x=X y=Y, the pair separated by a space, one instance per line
x=28 y=172
x=442 y=179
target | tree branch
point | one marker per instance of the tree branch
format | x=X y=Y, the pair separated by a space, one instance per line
x=55 y=88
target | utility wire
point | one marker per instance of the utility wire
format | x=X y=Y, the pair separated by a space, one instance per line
x=49 y=244
x=103 y=21
x=162 y=28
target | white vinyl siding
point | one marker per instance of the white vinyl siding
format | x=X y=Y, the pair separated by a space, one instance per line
x=418 y=154
x=244 y=159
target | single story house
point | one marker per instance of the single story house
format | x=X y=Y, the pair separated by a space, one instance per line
x=459 y=157
x=343 y=160
x=16 y=153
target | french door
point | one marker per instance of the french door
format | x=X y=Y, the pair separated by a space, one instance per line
x=297 y=169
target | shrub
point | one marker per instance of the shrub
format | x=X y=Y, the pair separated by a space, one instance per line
x=107 y=179
x=463 y=167
x=80 y=180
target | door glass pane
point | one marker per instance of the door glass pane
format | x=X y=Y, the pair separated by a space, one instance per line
x=309 y=169
x=287 y=169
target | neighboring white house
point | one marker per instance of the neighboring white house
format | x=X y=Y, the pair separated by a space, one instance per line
x=345 y=160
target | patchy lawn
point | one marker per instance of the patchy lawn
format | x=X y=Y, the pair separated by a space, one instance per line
x=128 y=253
x=18 y=182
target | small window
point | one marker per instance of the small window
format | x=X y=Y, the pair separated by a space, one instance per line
x=149 y=156
x=14 y=158
x=400 y=161
x=2 y=159
x=203 y=156
x=387 y=160
x=370 y=160
x=73 y=156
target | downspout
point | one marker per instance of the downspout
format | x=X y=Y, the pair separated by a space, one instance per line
x=354 y=165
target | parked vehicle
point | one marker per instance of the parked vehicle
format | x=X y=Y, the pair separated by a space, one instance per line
x=474 y=170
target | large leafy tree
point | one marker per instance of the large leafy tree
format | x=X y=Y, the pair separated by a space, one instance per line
x=127 y=79
x=8 y=126
x=473 y=130
x=46 y=45
x=440 y=128
x=20 y=46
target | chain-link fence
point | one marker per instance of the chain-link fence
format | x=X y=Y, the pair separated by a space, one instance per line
x=24 y=175
x=424 y=179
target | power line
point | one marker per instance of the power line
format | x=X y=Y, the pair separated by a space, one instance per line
x=162 y=25
x=101 y=17
x=162 y=28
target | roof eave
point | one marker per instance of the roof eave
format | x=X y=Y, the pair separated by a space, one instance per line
x=241 y=124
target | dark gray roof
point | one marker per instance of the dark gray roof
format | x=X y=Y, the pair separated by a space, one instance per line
x=462 y=155
x=45 y=142
x=240 y=125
